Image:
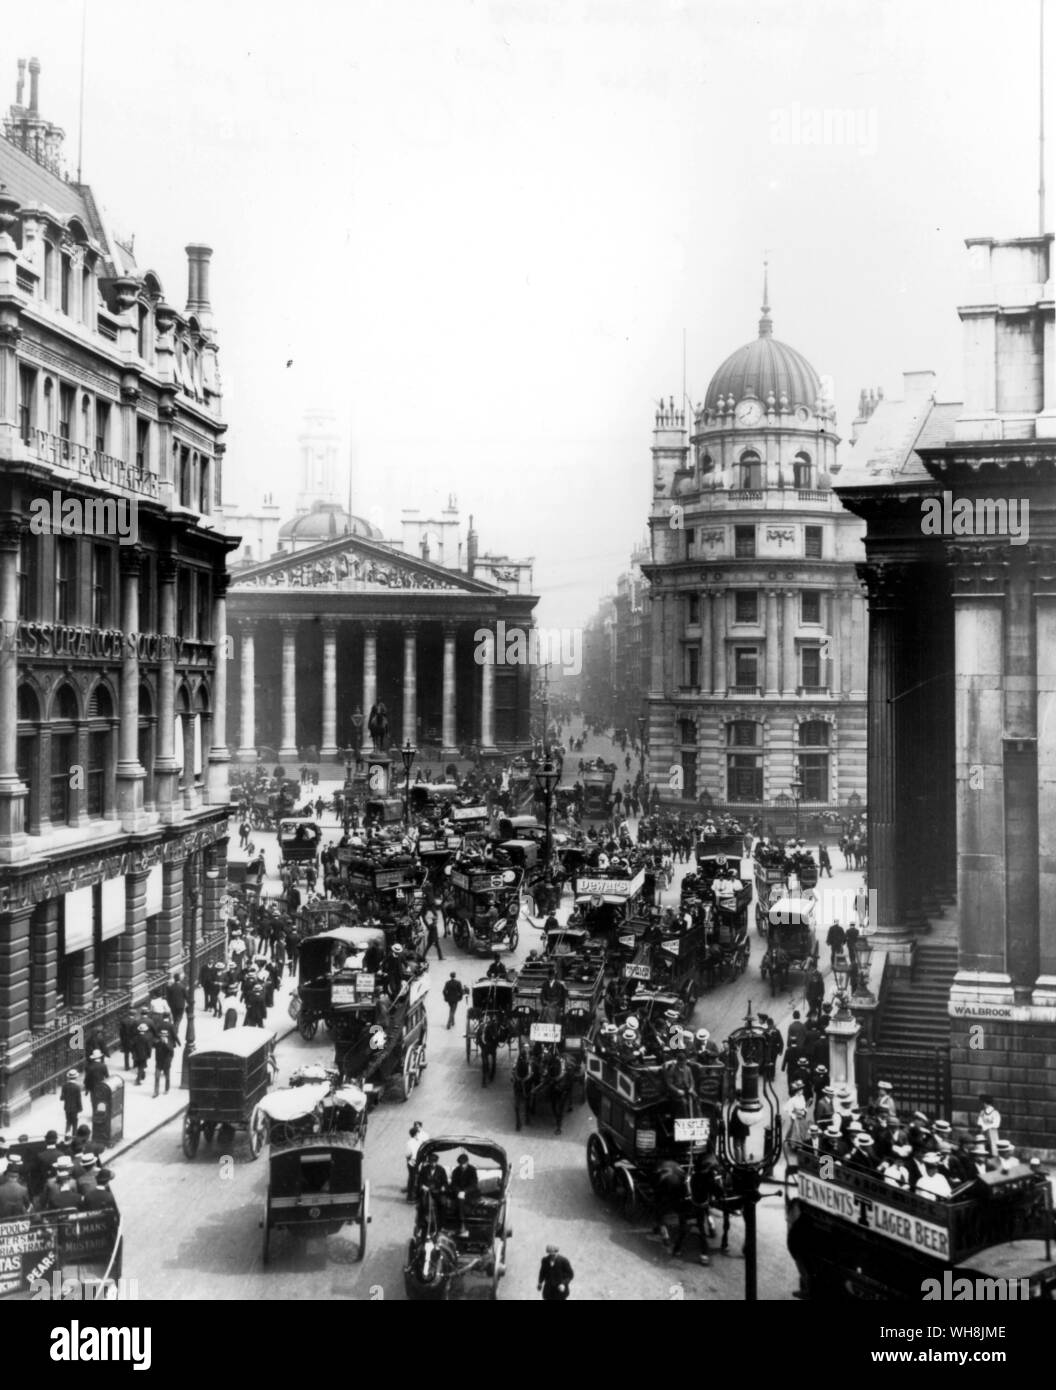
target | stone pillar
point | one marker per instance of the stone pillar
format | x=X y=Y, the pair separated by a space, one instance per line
x=165 y=762
x=1044 y=568
x=288 y=750
x=718 y=642
x=845 y=642
x=789 y=674
x=1020 y=758
x=130 y=964
x=169 y=944
x=328 y=750
x=410 y=684
x=247 y=753
x=218 y=755
x=191 y=793
x=13 y=844
x=44 y=964
x=705 y=643
x=487 y=698
x=14 y=1008
x=656 y=648
x=449 y=695
x=887 y=585
x=773 y=645
x=370 y=672
x=130 y=774
x=843 y=1040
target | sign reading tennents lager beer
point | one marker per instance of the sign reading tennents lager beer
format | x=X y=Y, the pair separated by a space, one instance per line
x=874 y=1217
x=611 y=887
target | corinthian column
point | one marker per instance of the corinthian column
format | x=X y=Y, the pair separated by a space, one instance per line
x=289 y=692
x=450 y=747
x=130 y=775
x=328 y=751
x=247 y=752
x=370 y=668
x=487 y=699
x=410 y=683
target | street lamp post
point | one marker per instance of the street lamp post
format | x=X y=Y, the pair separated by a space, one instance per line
x=212 y=873
x=352 y=755
x=547 y=777
x=408 y=753
x=797 y=793
x=750 y=1136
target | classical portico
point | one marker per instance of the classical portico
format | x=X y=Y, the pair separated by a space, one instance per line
x=352 y=623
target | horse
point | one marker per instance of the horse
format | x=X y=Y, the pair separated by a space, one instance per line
x=780 y=963
x=490 y=1035
x=690 y=1193
x=555 y=1083
x=434 y=1257
x=524 y=1080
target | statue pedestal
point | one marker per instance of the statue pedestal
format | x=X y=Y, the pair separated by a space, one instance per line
x=843 y=1036
x=379 y=772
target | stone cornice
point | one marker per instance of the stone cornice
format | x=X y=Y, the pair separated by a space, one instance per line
x=978 y=571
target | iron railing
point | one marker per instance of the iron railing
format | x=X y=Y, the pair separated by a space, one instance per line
x=919 y=1077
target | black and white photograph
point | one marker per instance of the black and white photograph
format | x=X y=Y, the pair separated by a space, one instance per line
x=528 y=664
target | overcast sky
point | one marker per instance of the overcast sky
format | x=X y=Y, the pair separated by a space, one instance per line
x=477 y=231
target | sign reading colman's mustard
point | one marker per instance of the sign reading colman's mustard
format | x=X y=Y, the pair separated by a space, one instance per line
x=859 y=1210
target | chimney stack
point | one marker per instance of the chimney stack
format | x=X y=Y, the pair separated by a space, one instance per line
x=198 y=258
x=34 y=79
x=21 y=87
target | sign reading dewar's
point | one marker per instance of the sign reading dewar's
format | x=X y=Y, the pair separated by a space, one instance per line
x=876 y=1217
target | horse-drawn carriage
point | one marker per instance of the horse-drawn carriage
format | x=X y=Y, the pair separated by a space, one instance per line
x=332 y=984
x=316 y=1129
x=646 y=1156
x=460 y=1238
x=605 y=904
x=769 y=888
x=488 y=1023
x=298 y=846
x=597 y=791
x=792 y=943
x=225 y=1082
x=478 y=890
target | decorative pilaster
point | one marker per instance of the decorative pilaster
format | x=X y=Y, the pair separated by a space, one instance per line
x=247 y=752
x=288 y=750
x=14 y=1010
x=328 y=749
x=130 y=773
x=705 y=642
x=410 y=683
x=219 y=756
x=370 y=669
x=191 y=788
x=789 y=623
x=487 y=698
x=773 y=645
x=165 y=763
x=13 y=845
x=718 y=641
x=450 y=747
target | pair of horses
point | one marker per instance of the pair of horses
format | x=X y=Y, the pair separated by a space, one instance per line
x=548 y=1078
x=690 y=1193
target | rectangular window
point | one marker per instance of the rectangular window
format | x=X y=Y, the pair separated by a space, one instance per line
x=203 y=485
x=143 y=445
x=687 y=731
x=98 y=757
x=691 y=541
x=746 y=666
x=146 y=594
x=691 y=667
x=689 y=776
x=693 y=610
x=810 y=606
x=812 y=542
x=27 y=400
x=744 y=777
x=87 y=298
x=66 y=394
x=183 y=603
x=811 y=664
x=814 y=774
x=28 y=556
x=102 y=426
x=202 y=629
x=102 y=585
x=63 y=758
x=64 y=285
x=48 y=286
x=746 y=606
x=744 y=542
x=65 y=579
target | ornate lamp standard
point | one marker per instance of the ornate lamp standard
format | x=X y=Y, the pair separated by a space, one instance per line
x=408 y=753
x=547 y=777
x=750 y=1135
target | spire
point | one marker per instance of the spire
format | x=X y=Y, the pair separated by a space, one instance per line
x=766 y=323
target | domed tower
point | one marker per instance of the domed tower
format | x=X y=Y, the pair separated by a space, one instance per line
x=758 y=679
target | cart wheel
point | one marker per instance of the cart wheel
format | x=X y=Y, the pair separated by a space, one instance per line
x=626 y=1194
x=515 y=936
x=419 y=1063
x=422 y=1059
x=364 y=1217
x=307 y=1027
x=408 y=1073
x=191 y=1135
x=258 y=1131
x=598 y=1166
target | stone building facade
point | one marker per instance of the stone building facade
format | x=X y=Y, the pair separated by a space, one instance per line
x=113 y=756
x=757 y=676
x=962 y=638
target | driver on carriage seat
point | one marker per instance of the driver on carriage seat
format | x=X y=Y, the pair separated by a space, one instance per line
x=432 y=1184
x=466 y=1188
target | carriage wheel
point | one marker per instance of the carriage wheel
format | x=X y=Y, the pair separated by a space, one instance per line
x=598 y=1166
x=192 y=1130
x=742 y=960
x=364 y=1217
x=760 y=920
x=307 y=1027
x=423 y=1060
x=515 y=936
x=409 y=1074
x=258 y=1131
x=626 y=1194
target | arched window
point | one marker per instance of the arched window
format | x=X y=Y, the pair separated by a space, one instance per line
x=750 y=469
x=803 y=471
x=63 y=724
x=100 y=752
x=28 y=757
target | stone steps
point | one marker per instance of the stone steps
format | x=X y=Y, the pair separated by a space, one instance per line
x=916 y=1009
